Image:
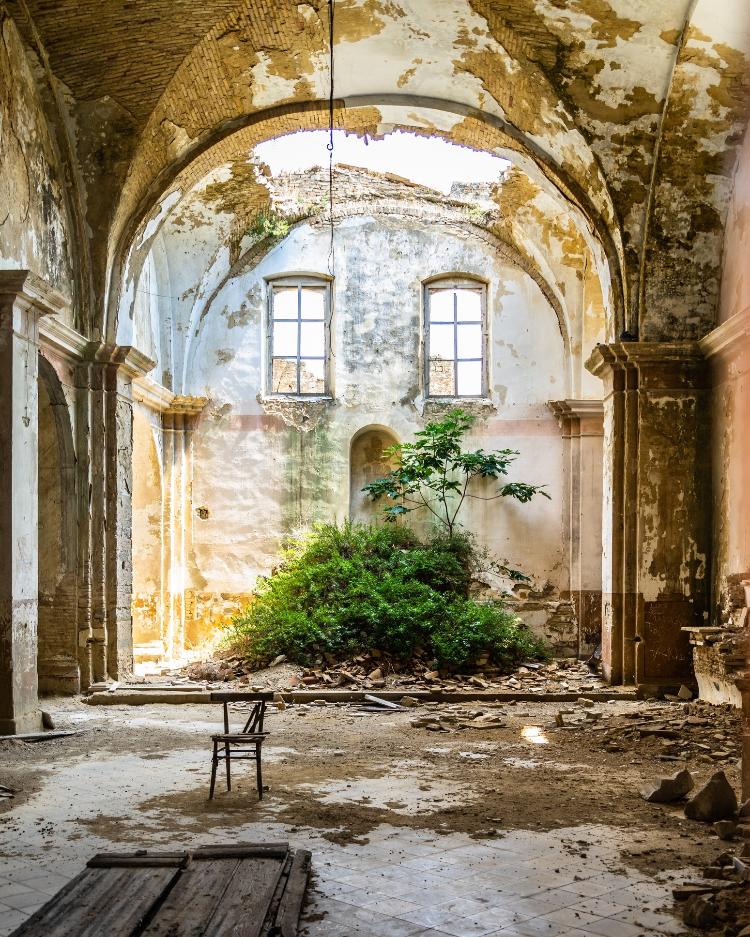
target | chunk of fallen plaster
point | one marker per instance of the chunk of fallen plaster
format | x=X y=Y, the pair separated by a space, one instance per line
x=668 y=789
x=716 y=800
x=725 y=829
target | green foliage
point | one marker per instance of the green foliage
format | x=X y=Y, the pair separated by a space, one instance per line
x=269 y=223
x=344 y=589
x=436 y=474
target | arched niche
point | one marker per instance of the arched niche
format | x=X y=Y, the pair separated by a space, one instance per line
x=58 y=665
x=367 y=462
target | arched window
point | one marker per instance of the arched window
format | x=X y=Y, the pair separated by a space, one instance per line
x=299 y=336
x=455 y=337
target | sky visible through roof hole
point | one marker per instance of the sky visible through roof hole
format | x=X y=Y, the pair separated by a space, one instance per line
x=427 y=161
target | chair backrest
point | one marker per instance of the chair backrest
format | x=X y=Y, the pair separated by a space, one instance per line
x=255 y=720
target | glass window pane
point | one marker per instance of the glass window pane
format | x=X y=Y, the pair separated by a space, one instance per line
x=284 y=378
x=285 y=339
x=469 y=378
x=285 y=302
x=441 y=379
x=441 y=305
x=313 y=303
x=312 y=341
x=469 y=305
x=312 y=377
x=469 y=341
x=441 y=342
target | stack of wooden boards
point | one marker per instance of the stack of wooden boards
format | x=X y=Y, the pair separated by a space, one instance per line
x=224 y=891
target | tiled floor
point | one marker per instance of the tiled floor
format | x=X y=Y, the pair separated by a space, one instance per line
x=395 y=881
x=405 y=882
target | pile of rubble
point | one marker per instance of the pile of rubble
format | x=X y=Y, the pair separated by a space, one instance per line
x=720 y=902
x=669 y=731
x=373 y=670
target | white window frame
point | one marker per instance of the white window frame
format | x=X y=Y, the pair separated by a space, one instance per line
x=317 y=281
x=456 y=282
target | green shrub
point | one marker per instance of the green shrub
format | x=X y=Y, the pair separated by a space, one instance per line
x=341 y=590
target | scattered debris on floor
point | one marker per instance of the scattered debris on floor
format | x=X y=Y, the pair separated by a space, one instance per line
x=375 y=671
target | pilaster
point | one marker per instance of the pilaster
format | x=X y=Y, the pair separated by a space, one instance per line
x=656 y=534
x=582 y=425
x=24 y=299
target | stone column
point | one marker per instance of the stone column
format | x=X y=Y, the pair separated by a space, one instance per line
x=107 y=413
x=582 y=424
x=178 y=423
x=656 y=525
x=24 y=298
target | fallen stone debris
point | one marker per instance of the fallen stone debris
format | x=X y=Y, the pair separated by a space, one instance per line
x=669 y=789
x=720 y=904
x=714 y=802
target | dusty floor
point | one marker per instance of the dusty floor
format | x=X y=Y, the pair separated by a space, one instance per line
x=521 y=830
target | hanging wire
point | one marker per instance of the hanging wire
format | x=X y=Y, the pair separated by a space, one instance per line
x=329 y=147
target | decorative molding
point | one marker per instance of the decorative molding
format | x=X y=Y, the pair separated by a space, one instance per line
x=577 y=408
x=126 y=358
x=57 y=337
x=34 y=293
x=152 y=394
x=187 y=406
x=730 y=338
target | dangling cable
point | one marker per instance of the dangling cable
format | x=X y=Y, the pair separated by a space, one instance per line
x=331 y=255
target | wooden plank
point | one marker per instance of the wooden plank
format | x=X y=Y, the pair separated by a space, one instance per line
x=244 y=906
x=241 y=851
x=138 y=862
x=383 y=703
x=193 y=900
x=104 y=901
x=290 y=909
x=101 y=858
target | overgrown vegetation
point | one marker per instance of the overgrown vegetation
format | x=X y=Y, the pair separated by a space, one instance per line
x=343 y=589
x=268 y=223
x=436 y=474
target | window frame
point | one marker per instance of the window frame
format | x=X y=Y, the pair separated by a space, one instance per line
x=456 y=281
x=299 y=281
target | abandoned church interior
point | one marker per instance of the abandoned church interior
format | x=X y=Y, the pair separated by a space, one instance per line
x=374 y=407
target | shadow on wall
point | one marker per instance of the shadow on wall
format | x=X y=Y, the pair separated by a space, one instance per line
x=367 y=462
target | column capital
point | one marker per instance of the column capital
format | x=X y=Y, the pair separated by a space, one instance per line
x=587 y=414
x=678 y=365
x=33 y=294
x=186 y=406
x=126 y=358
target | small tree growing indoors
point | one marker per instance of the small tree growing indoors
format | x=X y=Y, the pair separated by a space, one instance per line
x=436 y=474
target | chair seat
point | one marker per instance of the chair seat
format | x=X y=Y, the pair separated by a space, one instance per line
x=241 y=737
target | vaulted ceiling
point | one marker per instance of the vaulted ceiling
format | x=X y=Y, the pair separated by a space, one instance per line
x=633 y=109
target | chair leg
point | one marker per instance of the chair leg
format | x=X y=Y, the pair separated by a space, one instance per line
x=258 y=772
x=214 y=763
x=227 y=759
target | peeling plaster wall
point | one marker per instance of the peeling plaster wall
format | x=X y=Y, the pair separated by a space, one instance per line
x=34 y=230
x=730 y=359
x=258 y=477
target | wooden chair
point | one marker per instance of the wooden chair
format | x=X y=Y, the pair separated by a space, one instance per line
x=242 y=746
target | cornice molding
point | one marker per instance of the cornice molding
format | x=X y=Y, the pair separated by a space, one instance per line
x=57 y=337
x=32 y=292
x=730 y=338
x=577 y=408
x=152 y=394
x=187 y=406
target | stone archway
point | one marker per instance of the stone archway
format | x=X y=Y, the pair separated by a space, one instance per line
x=367 y=461
x=57 y=654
